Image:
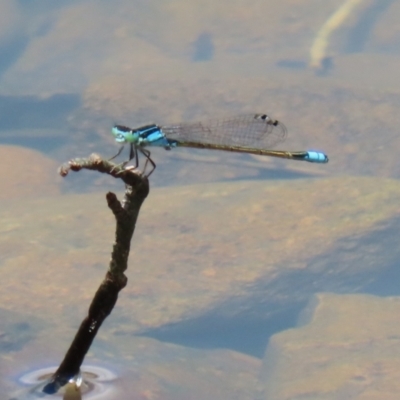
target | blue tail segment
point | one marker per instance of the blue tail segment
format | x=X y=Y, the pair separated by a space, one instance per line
x=316 y=157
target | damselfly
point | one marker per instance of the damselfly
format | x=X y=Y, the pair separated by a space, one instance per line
x=248 y=133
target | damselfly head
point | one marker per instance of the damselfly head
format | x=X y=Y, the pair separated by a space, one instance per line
x=120 y=133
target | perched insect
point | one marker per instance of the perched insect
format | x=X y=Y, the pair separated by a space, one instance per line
x=248 y=133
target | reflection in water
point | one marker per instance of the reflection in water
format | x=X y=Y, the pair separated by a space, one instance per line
x=11 y=50
x=36 y=112
x=93 y=383
x=203 y=48
x=318 y=51
x=42 y=123
x=360 y=34
x=292 y=64
x=326 y=66
x=242 y=333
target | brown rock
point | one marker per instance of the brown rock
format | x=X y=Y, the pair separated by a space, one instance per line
x=347 y=347
x=26 y=173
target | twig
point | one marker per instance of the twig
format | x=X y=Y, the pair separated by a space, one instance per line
x=137 y=189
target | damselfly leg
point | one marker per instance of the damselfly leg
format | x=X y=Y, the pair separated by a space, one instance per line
x=119 y=152
x=133 y=154
x=147 y=154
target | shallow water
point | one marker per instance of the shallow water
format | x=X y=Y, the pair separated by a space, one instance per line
x=229 y=249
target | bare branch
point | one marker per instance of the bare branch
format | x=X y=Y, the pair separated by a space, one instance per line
x=126 y=213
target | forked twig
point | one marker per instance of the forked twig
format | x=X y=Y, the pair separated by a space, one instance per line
x=126 y=213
